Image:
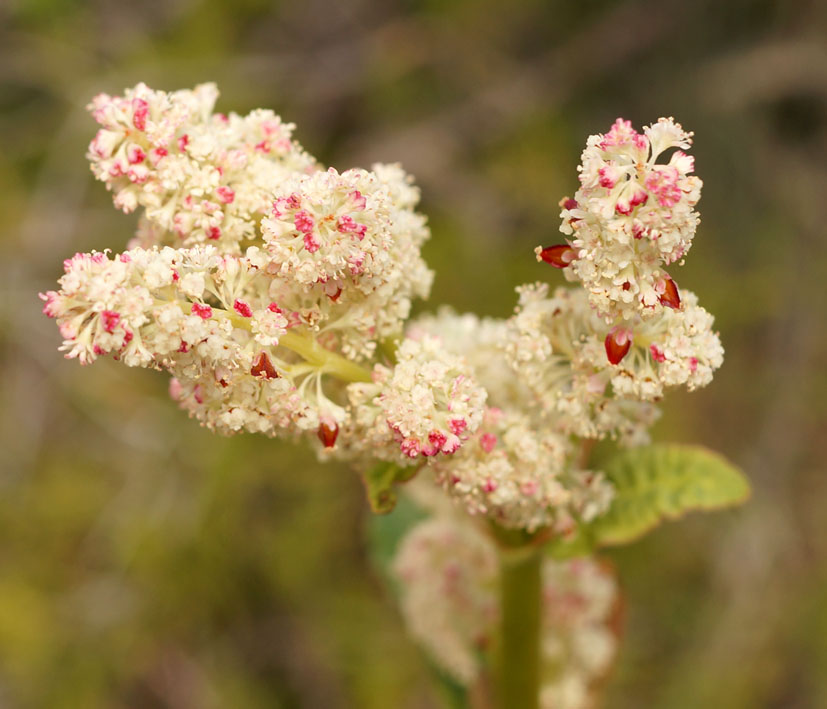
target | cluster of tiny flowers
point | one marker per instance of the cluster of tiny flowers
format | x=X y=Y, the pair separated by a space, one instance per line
x=553 y=342
x=429 y=402
x=679 y=348
x=580 y=631
x=447 y=574
x=446 y=569
x=522 y=477
x=594 y=378
x=480 y=342
x=266 y=284
x=352 y=242
x=200 y=177
x=258 y=279
x=348 y=245
x=197 y=314
x=516 y=469
x=631 y=216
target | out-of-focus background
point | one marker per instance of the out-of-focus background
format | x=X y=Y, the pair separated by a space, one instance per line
x=146 y=563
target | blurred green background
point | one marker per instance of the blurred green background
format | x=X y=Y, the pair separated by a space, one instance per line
x=147 y=563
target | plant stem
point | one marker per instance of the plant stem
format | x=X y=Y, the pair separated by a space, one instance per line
x=306 y=347
x=518 y=681
x=329 y=362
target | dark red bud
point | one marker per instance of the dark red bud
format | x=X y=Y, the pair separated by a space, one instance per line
x=617 y=343
x=559 y=256
x=670 y=295
x=263 y=367
x=569 y=203
x=328 y=434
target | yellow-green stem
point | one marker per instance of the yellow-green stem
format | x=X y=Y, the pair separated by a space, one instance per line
x=518 y=666
x=327 y=361
x=306 y=347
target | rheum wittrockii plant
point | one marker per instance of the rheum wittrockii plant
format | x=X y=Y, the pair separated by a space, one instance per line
x=277 y=294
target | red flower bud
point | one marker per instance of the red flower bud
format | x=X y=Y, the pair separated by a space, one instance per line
x=558 y=256
x=328 y=432
x=670 y=295
x=617 y=343
x=263 y=367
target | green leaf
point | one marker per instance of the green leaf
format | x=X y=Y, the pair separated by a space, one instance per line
x=582 y=544
x=379 y=484
x=384 y=532
x=661 y=482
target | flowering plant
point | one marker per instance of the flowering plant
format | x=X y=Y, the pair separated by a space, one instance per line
x=277 y=294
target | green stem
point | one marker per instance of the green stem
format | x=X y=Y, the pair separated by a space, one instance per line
x=306 y=347
x=518 y=680
x=329 y=362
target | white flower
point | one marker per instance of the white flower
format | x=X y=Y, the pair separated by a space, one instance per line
x=231 y=368
x=678 y=348
x=448 y=579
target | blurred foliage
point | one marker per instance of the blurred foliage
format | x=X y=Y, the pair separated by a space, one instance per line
x=146 y=563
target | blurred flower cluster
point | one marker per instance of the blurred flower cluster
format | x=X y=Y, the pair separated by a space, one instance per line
x=447 y=569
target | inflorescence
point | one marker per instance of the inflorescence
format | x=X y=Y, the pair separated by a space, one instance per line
x=277 y=295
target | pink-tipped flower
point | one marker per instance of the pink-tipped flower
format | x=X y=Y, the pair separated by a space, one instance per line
x=617 y=343
x=202 y=311
x=488 y=441
x=242 y=307
x=636 y=215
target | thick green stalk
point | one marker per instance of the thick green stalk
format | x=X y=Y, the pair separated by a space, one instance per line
x=329 y=362
x=518 y=677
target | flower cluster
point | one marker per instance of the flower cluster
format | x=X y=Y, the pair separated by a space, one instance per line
x=446 y=569
x=518 y=468
x=201 y=316
x=594 y=356
x=276 y=293
x=447 y=574
x=200 y=177
x=569 y=357
x=522 y=477
x=631 y=216
x=429 y=402
x=581 y=619
x=351 y=243
x=262 y=282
